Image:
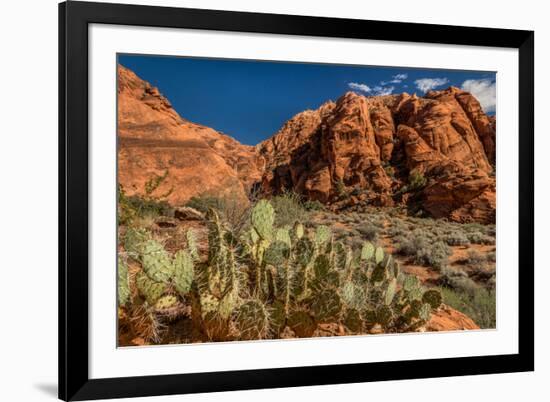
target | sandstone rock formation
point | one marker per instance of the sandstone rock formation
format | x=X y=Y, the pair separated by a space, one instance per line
x=153 y=139
x=363 y=149
x=446 y=318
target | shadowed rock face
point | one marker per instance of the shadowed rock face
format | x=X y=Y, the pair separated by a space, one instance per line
x=154 y=139
x=368 y=146
x=357 y=149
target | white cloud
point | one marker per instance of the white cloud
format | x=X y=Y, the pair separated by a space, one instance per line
x=359 y=87
x=383 y=90
x=396 y=79
x=427 y=84
x=485 y=92
x=376 y=90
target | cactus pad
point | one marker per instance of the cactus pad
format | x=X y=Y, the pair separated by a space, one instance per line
x=433 y=298
x=252 y=320
x=367 y=251
x=156 y=262
x=165 y=303
x=326 y=306
x=390 y=292
x=135 y=240
x=276 y=253
x=298 y=230
x=192 y=244
x=123 y=285
x=353 y=321
x=322 y=235
x=149 y=289
x=183 y=272
x=263 y=217
x=378 y=255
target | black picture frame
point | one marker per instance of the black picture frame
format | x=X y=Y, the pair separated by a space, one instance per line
x=74 y=381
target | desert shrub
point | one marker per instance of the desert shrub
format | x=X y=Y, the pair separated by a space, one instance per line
x=456 y=238
x=474 y=227
x=492 y=256
x=203 y=202
x=313 y=205
x=132 y=208
x=368 y=231
x=476 y=259
x=232 y=207
x=341 y=189
x=456 y=279
x=390 y=171
x=480 y=238
x=288 y=209
x=435 y=255
x=396 y=230
x=424 y=250
x=416 y=181
x=490 y=230
x=477 y=303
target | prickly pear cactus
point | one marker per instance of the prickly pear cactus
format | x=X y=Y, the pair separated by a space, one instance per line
x=135 y=240
x=208 y=304
x=433 y=298
x=425 y=312
x=384 y=315
x=252 y=320
x=304 y=251
x=156 y=262
x=353 y=321
x=298 y=230
x=322 y=235
x=165 y=303
x=390 y=292
x=378 y=255
x=123 y=283
x=277 y=316
x=326 y=306
x=149 y=288
x=277 y=253
x=192 y=244
x=263 y=217
x=340 y=256
x=216 y=242
x=283 y=235
x=367 y=251
x=183 y=272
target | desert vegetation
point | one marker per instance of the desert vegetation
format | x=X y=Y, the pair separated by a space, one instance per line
x=277 y=268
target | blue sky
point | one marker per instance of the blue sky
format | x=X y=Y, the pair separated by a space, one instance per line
x=251 y=100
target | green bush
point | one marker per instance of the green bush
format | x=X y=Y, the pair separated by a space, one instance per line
x=477 y=303
x=368 y=231
x=313 y=205
x=135 y=207
x=231 y=207
x=476 y=259
x=289 y=209
x=416 y=181
x=456 y=238
x=424 y=251
x=480 y=238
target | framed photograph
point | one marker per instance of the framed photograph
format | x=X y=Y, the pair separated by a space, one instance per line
x=258 y=201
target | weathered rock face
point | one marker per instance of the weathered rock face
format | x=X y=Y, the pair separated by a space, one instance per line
x=364 y=148
x=154 y=139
